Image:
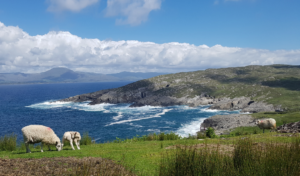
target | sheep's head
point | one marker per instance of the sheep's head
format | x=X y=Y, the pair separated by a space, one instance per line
x=257 y=122
x=77 y=135
x=58 y=146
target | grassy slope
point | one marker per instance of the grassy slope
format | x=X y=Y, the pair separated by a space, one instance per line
x=144 y=157
x=275 y=84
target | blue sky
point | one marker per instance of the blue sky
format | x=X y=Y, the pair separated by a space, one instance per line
x=183 y=35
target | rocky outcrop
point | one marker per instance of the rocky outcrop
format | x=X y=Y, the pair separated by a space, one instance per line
x=232 y=104
x=144 y=96
x=261 y=107
x=289 y=128
x=223 y=123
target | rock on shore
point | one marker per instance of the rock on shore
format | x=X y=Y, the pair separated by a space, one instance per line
x=223 y=123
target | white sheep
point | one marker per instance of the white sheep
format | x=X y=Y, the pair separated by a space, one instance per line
x=266 y=124
x=38 y=133
x=72 y=136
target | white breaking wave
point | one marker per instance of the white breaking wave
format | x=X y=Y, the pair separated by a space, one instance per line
x=119 y=116
x=210 y=110
x=190 y=128
x=84 y=106
x=154 y=130
x=50 y=104
x=132 y=120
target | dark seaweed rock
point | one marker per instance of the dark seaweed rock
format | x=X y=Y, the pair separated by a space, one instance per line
x=289 y=128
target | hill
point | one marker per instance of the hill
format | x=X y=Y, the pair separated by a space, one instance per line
x=65 y=75
x=258 y=88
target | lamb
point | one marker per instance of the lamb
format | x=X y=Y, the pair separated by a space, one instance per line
x=72 y=136
x=266 y=124
x=38 y=133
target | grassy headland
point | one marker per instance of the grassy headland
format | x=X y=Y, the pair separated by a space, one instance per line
x=147 y=157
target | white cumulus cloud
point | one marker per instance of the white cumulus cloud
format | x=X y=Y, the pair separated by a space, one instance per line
x=21 y=52
x=132 y=12
x=69 y=5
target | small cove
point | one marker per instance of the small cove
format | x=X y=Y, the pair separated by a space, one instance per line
x=22 y=105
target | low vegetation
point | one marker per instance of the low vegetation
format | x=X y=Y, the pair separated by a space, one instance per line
x=146 y=156
x=247 y=158
x=8 y=142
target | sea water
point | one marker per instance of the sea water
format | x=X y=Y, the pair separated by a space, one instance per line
x=22 y=105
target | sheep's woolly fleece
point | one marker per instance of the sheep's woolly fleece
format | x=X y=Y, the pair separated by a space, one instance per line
x=39 y=133
x=266 y=123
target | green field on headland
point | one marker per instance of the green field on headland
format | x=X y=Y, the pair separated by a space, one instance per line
x=144 y=157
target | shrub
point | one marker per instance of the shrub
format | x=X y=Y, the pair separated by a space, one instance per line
x=161 y=136
x=8 y=142
x=86 y=139
x=210 y=132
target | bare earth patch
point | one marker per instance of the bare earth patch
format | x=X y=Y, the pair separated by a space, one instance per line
x=61 y=166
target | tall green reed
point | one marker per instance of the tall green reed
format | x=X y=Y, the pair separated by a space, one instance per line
x=86 y=139
x=247 y=159
x=8 y=142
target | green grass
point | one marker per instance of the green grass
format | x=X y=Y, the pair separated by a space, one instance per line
x=8 y=142
x=143 y=157
x=86 y=139
x=248 y=158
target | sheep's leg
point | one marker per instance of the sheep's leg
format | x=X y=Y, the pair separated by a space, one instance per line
x=263 y=130
x=77 y=144
x=49 y=147
x=62 y=143
x=42 y=147
x=71 y=143
x=27 y=148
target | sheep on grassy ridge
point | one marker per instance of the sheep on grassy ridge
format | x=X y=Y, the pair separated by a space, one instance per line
x=72 y=136
x=266 y=124
x=38 y=133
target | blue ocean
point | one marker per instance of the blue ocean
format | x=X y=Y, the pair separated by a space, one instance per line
x=22 y=105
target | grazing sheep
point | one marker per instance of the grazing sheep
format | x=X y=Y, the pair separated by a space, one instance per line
x=266 y=124
x=38 y=133
x=72 y=136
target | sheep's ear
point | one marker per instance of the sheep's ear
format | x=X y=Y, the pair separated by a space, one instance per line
x=56 y=142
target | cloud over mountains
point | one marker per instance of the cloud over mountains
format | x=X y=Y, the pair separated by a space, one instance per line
x=20 y=52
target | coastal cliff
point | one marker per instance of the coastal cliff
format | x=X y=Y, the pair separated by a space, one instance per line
x=251 y=89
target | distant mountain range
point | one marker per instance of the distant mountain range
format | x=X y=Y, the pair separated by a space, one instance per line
x=64 y=75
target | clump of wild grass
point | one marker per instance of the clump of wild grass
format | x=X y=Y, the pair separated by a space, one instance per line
x=248 y=158
x=150 y=137
x=86 y=139
x=201 y=135
x=8 y=142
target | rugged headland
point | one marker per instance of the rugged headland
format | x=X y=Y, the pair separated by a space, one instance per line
x=252 y=89
x=249 y=89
